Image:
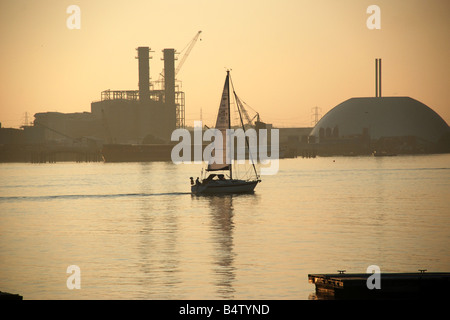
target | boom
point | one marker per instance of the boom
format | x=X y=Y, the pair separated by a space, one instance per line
x=189 y=48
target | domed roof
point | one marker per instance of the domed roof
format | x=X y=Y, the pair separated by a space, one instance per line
x=383 y=117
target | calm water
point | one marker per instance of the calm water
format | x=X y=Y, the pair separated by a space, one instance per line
x=136 y=232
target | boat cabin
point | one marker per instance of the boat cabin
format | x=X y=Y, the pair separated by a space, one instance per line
x=213 y=175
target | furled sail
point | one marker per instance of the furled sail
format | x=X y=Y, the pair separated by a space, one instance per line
x=219 y=159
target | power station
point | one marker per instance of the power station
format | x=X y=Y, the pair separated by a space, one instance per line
x=121 y=119
x=136 y=125
x=146 y=115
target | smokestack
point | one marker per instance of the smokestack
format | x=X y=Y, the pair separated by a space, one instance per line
x=169 y=76
x=144 y=74
x=377 y=77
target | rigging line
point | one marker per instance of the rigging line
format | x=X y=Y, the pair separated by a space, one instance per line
x=229 y=112
x=243 y=128
x=248 y=106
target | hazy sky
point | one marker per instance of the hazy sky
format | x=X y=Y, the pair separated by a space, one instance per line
x=286 y=56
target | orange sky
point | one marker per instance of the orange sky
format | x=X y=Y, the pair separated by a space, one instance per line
x=287 y=56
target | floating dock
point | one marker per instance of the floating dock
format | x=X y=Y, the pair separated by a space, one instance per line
x=420 y=285
x=10 y=296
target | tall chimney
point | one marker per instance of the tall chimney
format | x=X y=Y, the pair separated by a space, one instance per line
x=144 y=74
x=379 y=77
x=169 y=91
x=376 y=77
x=169 y=76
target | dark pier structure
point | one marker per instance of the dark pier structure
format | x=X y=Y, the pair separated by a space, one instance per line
x=10 y=296
x=393 y=286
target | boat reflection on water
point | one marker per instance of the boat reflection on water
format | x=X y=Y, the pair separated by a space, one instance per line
x=223 y=223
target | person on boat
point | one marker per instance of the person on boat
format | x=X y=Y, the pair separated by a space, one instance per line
x=197 y=182
x=192 y=181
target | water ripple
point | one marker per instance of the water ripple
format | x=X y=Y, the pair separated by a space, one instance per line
x=87 y=196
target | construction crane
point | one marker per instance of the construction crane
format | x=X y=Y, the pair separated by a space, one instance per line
x=189 y=47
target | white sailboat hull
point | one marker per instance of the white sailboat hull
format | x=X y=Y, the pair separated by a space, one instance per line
x=224 y=186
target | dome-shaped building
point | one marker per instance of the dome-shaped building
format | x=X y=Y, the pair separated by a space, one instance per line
x=383 y=124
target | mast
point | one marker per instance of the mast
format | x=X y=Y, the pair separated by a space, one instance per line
x=238 y=104
x=229 y=122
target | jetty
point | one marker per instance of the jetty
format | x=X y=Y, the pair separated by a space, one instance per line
x=398 y=286
x=10 y=296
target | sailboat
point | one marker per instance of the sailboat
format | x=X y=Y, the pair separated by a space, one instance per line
x=220 y=179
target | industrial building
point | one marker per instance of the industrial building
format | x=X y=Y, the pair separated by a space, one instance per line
x=65 y=128
x=394 y=125
x=380 y=125
x=122 y=117
x=147 y=115
x=136 y=125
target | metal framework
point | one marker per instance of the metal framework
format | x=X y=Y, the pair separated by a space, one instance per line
x=155 y=95
x=180 y=114
x=120 y=95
